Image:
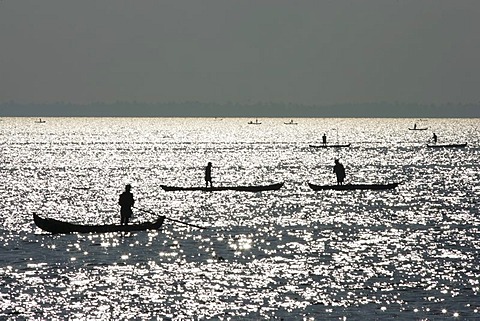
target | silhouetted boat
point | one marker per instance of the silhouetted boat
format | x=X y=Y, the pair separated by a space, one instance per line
x=348 y=187
x=330 y=146
x=256 y=122
x=290 y=123
x=446 y=145
x=40 y=121
x=260 y=188
x=425 y=128
x=55 y=226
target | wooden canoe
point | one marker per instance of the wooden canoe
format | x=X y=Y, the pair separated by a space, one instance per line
x=447 y=145
x=55 y=226
x=349 y=187
x=330 y=146
x=260 y=188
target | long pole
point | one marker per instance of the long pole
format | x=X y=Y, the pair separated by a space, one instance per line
x=171 y=219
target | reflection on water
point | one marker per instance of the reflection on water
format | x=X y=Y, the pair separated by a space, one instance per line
x=408 y=253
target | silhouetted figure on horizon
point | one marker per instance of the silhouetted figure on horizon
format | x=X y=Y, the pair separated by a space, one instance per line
x=434 y=138
x=208 y=175
x=340 y=171
x=415 y=126
x=324 y=139
x=126 y=202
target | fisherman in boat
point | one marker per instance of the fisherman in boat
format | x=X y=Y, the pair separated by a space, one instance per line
x=126 y=202
x=208 y=175
x=434 y=138
x=339 y=170
x=415 y=126
x=324 y=139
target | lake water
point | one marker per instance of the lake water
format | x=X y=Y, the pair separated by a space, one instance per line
x=412 y=253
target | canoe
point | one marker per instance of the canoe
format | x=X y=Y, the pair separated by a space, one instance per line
x=418 y=128
x=349 y=187
x=330 y=146
x=261 y=188
x=291 y=123
x=55 y=226
x=447 y=145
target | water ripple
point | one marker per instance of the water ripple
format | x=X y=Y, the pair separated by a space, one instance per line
x=408 y=253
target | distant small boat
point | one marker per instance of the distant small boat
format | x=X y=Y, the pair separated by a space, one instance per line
x=81 y=187
x=55 y=226
x=256 y=122
x=447 y=145
x=348 y=187
x=260 y=188
x=330 y=146
x=291 y=122
x=424 y=128
x=40 y=121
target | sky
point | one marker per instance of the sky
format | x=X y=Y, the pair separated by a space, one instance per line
x=312 y=52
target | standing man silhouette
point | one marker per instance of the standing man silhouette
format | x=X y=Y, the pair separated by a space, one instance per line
x=324 y=139
x=340 y=171
x=126 y=202
x=208 y=175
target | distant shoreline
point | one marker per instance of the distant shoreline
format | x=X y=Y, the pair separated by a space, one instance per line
x=232 y=110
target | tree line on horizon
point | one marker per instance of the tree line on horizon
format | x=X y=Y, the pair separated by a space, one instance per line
x=200 y=109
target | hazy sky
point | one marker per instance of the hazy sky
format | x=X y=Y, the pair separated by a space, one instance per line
x=311 y=52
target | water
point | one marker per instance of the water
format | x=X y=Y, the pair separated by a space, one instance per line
x=411 y=253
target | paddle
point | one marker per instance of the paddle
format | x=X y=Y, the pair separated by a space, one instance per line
x=171 y=219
